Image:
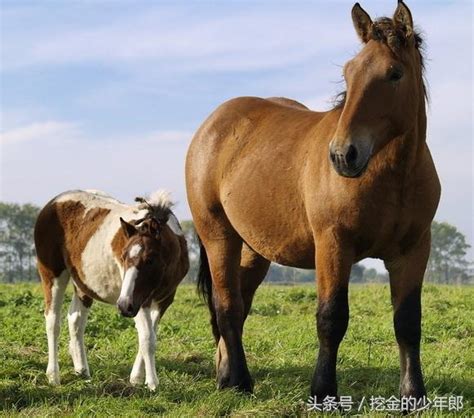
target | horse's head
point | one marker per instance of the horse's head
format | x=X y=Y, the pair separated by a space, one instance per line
x=384 y=89
x=143 y=264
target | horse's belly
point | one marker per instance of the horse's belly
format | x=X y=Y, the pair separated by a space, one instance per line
x=276 y=238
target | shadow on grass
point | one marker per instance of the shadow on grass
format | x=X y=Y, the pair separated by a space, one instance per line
x=356 y=382
x=365 y=381
x=16 y=394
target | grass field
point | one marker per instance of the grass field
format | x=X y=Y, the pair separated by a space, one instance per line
x=280 y=341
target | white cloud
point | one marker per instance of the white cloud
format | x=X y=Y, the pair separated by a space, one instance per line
x=43 y=159
x=38 y=131
x=177 y=41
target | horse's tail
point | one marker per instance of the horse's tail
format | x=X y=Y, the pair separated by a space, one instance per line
x=204 y=284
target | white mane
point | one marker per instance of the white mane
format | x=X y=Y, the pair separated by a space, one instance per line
x=159 y=203
x=160 y=199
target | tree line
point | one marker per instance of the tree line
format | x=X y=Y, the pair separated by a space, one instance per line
x=447 y=264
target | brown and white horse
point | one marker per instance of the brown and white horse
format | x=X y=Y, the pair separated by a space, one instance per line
x=270 y=180
x=130 y=255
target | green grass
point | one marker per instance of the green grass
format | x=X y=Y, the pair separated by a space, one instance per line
x=280 y=342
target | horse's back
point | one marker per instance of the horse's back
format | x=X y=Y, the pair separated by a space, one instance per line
x=248 y=156
x=75 y=231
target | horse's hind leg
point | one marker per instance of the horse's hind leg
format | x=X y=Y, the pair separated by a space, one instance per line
x=406 y=278
x=77 y=318
x=224 y=250
x=253 y=269
x=54 y=287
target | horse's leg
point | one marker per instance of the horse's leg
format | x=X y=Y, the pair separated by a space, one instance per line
x=146 y=346
x=77 y=318
x=333 y=265
x=53 y=289
x=224 y=251
x=406 y=278
x=253 y=268
x=157 y=311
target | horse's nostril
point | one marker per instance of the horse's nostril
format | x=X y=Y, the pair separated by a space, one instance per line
x=130 y=308
x=351 y=155
x=332 y=155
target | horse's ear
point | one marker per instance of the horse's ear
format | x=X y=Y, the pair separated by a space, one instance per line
x=362 y=22
x=155 y=228
x=403 y=20
x=128 y=229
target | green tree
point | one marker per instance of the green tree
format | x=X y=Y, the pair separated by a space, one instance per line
x=447 y=263
x=17 y=253
x=357 y=273
x=193 y=249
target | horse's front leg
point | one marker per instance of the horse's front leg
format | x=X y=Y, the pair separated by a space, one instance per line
x=333 y=265
x=157 y=311
x=147 y=347
x=406 y=278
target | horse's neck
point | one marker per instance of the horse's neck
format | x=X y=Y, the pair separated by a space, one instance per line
x=405 y=152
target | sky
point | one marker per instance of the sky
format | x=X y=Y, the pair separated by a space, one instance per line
x=107 y=94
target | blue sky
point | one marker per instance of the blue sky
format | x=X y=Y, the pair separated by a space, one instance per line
x=107 y=94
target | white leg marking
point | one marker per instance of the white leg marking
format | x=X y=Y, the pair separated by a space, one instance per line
x=138 y=371
x=77 y=318
x=147 y=346
x=53 y=326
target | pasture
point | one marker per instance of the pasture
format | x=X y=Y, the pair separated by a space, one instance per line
x=280 y=341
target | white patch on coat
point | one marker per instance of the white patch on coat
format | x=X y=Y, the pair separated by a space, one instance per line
x=91 y=200
x=102 y=270
x=174 y=225
x=135 y=250
x=128 y=284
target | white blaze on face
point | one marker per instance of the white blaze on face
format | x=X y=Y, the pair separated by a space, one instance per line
x=134 y=251
x=128 y=284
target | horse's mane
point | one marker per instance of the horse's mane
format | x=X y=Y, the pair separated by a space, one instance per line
x=385 y=30
x=158 y=204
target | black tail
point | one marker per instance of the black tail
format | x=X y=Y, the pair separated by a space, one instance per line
x=204 y=284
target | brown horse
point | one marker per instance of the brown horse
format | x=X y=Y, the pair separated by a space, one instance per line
x=136 y=263
x=269 y=180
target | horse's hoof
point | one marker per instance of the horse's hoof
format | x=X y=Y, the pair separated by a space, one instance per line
x=53 y=379
x=83 y=373
x=245 y=385
x=136 y=381
x=152 y=386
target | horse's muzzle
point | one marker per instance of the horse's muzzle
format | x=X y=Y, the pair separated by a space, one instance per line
x=127 y=308
x=348 y=160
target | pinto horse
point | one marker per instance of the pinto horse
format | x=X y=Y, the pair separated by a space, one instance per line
x=269 y=180
x=134 y=256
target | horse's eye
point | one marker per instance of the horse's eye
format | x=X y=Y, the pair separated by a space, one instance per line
x=395 y=75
